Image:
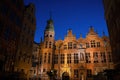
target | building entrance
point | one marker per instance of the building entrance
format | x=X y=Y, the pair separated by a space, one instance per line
x=65 y=76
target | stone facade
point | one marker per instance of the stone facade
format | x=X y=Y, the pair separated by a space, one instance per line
x=34 y=69
x=25 y=48
x=78 y=59
x=17 y=28
x=11 y=16
x=112 y=16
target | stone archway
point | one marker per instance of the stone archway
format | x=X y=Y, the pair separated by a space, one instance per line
x=65 y=76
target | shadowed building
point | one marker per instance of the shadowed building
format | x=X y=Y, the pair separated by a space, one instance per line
x=112 y=15
x=11 y=16
x=73 y=58
x=17 y=27
x=25 y=48
x=34 y=69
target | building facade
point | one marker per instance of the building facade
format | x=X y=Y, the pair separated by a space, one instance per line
x=112 y=16
x=17 y=28
x=11 y=16
x=34 y=69
x=74 y=59
x=26 y=39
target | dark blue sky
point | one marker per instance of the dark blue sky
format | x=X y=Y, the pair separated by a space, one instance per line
x=77 y=15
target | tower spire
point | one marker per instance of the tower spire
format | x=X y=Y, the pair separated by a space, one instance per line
x=50 y=14
x=50 y=26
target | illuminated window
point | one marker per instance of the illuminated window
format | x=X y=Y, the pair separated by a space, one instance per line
x=62 y=58
x=88 y=58
x=75 y=58
x=95 y=56
x=56 y=59
x=68 y=58
x=76 y=73
x=98 y=44
x=103 y=57
x=70 y=45
x=92 y=43
x=49 y=57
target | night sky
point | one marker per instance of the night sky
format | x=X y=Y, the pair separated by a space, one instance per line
x=77 y=15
